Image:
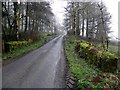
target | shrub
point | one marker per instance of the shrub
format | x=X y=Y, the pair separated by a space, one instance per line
x=30 y=34
x=15 y=44
x=102 y=59
x=77 y=46
x=108 y=62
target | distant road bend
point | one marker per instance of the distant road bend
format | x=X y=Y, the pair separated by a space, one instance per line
x=41 y=68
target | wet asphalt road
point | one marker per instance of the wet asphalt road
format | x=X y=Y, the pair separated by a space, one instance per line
x=41 y=68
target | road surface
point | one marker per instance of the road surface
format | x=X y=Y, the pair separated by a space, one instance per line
x=41 y=68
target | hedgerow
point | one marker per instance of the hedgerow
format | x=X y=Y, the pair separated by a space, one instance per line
x=16 y=44
x=104 y=60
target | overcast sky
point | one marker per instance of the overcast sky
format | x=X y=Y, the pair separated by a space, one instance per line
x=112 y=6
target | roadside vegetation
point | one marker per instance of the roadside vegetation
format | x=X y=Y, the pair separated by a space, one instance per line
x=87 y=75
x=24 y=48
x=114 y=49
x=92 y=60
x=25 y=26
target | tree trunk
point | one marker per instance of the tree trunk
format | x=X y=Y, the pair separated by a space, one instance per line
x=73 y=19
x=82 y=26
x=77 y=21
x=33 y=25
x=87 y=27
x=92 y=31
x=29 y=24
x=26 y=17
x=16 y=19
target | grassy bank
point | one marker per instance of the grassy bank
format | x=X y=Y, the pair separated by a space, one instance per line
x=25 y=49
x=113 y=49
x=88 y=76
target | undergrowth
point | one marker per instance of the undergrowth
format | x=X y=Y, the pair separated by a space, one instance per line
x=87 y=75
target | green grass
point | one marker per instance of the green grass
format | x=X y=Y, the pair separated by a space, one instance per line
x=113 y=49
x=24 y=49
x=80 y=69
x=78 y=66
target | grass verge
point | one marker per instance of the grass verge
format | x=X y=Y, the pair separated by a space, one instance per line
x=88 y=76
x=113 y=49
x=24 y=49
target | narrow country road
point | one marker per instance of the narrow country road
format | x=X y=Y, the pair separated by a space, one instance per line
x=41 y=68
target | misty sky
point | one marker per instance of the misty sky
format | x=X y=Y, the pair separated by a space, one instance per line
x=112 y=6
